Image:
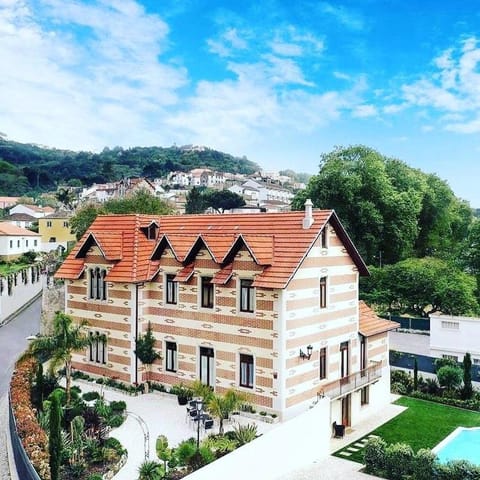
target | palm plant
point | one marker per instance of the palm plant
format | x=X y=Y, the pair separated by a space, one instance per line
x=221 y=406
x=66 y=339
x=150 y=470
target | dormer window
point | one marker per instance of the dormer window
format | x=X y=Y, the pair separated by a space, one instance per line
x=97 y=283
x=150 y=231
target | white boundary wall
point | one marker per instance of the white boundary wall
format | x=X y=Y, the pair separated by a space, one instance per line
x=292 y=445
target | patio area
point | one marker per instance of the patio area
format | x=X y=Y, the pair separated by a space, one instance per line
x=151 y=415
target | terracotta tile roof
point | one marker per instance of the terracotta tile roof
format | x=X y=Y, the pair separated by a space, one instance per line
x=7 y=228
x=370 y=323
x=223 y=275
x=20 y=217
x=185 y=273
x=277 y=241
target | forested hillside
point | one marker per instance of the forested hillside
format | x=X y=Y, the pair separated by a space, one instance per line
x=26 y=168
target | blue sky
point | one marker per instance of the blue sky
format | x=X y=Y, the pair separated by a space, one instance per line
x=277 y=81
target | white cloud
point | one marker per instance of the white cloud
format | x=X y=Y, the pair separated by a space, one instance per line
x=363 y=111
x=453 y=88
x=88 y=94
x=229 y=43
x=427 y=128
x=394 y=108
x=286 y=49
x=346 y=17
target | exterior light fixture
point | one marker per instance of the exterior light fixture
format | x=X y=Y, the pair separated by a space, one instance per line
x=307 y=355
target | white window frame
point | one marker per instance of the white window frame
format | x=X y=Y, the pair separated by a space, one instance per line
x=248 y=301
x=250 y=372
x=171 y=357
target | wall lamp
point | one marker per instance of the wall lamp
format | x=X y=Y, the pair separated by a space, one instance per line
x=307 y=355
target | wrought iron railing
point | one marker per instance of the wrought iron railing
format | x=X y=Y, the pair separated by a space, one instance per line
x=353 y=382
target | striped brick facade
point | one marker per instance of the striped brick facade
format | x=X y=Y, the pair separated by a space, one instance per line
x=284 y=321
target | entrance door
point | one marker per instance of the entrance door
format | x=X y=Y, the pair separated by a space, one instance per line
x=207 y=365
x=346 y=410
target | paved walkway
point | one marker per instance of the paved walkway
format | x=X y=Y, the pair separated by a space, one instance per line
x=334 y=468
x=163 y=415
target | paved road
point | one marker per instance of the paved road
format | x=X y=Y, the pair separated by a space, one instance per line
x=410 y=343
x=12 y=342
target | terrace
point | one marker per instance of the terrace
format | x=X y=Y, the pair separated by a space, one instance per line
x=343 y=386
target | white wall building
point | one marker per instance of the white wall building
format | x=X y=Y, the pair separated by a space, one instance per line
x=452 y=337
x=15 y=241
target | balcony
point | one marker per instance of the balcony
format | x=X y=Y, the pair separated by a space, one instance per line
x=351 y=383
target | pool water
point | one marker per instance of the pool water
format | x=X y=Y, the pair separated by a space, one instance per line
x=462 y=444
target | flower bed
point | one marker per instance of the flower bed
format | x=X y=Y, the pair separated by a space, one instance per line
x=34 y=439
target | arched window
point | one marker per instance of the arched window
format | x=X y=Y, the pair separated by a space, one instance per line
x=97 y=284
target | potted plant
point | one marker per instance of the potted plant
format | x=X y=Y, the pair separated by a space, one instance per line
x=183 y=392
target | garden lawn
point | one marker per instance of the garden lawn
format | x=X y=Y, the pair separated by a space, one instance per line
x=423 y=425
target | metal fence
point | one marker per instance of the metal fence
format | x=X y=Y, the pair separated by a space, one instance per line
x=23 y=465
x=425 y=363
x=415 y=323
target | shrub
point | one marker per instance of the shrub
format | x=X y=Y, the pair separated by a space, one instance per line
x=245 y=433
x=450 y=377
x=115 y=421
x=398 y=461
x=457 y=470
x=95 y=476
x=374 y=455
x=118 y=406
x=185 y=451
x=444 y=362
x=399 y=388
x=431 y=386
x=112 y=442
x=402 y=377
x=424 y=465
x=263 y=414
x=88 y=396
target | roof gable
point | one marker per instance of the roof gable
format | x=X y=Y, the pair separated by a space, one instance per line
x=277 y=242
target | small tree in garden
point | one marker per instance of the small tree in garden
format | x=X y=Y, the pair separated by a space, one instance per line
x=467 y=390
x=221 y=406
x=449 y=377
x=55 y=437
x=67 y=338
x=145 y=349
x=415 y=374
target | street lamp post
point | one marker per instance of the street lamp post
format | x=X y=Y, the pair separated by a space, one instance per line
x=199 y=416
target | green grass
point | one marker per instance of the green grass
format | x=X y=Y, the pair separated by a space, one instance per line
x=11 y=267
x=423 y=425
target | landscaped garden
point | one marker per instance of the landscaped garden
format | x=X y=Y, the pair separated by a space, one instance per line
x=422 y=425
x=401 y=448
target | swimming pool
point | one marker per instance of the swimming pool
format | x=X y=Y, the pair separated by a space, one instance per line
x=462 y=444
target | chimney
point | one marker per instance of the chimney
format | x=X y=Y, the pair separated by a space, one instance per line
x=308 y=219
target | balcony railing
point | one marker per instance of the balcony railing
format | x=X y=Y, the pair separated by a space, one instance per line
x=353 y=382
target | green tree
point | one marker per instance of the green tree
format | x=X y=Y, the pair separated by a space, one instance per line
x=55 y=436
x=195 y=202
x=450 y=377
x=145 y=349
x=221 y=406
x=467 y=390
x=141 y=201
x=66 y=197
x=421 y=286
x=221 y=200
x=390 y=210
x=66 y=339
x=83 y=218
